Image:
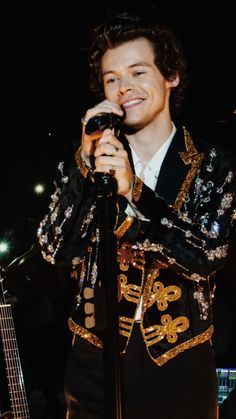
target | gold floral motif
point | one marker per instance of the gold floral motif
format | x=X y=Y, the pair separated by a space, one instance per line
x=127 y=256
x=191 y=156
x=169 y=329
x=161 y=295
x=130 y=292
x=172 y=353
x=121 y=230
x=85 y=334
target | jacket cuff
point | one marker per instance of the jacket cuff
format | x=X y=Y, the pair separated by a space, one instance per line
x=84 y=169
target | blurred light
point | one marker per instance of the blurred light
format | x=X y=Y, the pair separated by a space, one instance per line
x=4 y=247
x=39 y=188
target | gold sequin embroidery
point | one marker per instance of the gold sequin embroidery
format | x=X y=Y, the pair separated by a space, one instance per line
x=169 y=329
x=137 y=189
x=82 y=166
x=172 y=353
x=161 y=295
x=125 y=324
x=121 y=230
x=79 y=330
x=127 y=256
x=191 y=156
x=152 y=275
x=130 y=292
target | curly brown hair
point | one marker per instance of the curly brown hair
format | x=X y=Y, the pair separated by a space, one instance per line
x=169 y=56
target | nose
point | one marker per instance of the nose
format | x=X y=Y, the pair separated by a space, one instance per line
x=124 y=86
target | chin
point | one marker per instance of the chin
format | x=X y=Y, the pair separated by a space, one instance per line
x=132 y=128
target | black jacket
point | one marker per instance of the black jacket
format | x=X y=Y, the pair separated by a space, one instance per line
x=169 y=258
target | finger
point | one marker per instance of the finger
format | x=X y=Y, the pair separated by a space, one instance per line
x=112 y=169
x=105 y=106
x=109 y=150
x=97 y=134
x=109 y=161
x=90 y=137
x=108 y=137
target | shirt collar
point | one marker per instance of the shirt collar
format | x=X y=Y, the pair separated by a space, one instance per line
x=156 y=161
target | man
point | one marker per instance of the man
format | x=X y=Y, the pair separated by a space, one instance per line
x=176 y=199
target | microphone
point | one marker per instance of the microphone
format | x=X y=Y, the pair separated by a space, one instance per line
x=101 y=121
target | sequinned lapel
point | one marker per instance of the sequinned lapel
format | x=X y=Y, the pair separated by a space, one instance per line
x=178 y=169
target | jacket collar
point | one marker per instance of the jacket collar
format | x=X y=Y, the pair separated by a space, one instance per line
x=173 y=170
x=178 y=169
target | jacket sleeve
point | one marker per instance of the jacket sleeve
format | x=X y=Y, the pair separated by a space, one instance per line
x=65 y=230
x=193 y=240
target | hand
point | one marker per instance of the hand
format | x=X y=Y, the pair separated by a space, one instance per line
x=111 y=157
x=87 y=142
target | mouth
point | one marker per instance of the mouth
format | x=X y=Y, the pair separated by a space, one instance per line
x=132 y=103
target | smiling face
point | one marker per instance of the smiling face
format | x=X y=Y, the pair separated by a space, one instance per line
x=132 y=80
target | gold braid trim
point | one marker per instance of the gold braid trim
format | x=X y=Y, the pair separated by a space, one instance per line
x=191 y=156
x=85 y=334
x=127 y=323
x=125 y=329
x=172 y=353
x=121 y=230
x=82 y=166
x=137 y=189
x=152 y=275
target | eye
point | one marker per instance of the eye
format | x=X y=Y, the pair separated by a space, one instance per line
x=139 y=73
x=111 y=80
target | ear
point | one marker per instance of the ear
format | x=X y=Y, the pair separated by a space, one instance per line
x=174 y=82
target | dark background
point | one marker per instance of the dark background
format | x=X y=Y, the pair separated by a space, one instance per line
x=45 y=91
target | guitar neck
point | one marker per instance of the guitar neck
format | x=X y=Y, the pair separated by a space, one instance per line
x=19 y=404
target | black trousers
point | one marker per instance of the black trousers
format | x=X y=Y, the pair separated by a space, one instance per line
x=183 y=388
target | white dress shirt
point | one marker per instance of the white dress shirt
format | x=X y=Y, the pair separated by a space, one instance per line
x=149 y=175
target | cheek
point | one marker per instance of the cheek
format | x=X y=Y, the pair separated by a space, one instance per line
x=160 y=91
x=110 y=92
x=152 y=87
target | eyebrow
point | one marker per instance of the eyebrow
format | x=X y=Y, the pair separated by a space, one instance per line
x=138 y=64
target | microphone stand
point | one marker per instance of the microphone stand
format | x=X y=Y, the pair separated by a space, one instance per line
x=106 y=296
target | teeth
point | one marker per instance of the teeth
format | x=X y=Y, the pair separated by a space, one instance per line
x=132 y=102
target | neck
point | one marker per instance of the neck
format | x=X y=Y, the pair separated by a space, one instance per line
x=149 y=139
